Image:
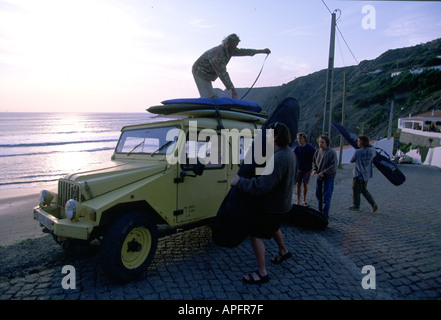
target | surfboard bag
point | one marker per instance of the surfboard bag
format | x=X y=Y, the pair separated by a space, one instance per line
x=305 y=217
x=381 y=161
x=232 y=223
x=389 y=169
x=231 y=226
x=287 y=112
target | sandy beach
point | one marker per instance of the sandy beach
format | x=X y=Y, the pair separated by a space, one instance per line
x=16 y=219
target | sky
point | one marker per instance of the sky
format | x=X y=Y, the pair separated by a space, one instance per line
x=127 y=55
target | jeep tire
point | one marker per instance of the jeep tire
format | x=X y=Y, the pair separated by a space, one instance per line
x=129 y=246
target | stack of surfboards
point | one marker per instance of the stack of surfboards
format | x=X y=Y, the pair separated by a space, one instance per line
x=225 y=108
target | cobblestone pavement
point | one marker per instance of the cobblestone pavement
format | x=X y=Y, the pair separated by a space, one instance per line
x=401 y=242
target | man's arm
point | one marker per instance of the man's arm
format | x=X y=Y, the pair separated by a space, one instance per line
x=249 y=52
x=259 y=185
x=353 y=157
x=331 y=162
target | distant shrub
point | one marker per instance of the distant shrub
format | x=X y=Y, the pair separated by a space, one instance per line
x=405 y=148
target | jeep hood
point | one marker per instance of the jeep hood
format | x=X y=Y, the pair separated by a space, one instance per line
x=114 y=175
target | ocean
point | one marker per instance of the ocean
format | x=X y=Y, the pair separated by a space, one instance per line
x=39 y=148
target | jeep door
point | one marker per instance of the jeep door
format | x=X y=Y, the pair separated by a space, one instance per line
x=200 y=196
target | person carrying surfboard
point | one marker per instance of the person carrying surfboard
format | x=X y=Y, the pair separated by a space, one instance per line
x=275 y=189
x=363 y=159
x=213 y=64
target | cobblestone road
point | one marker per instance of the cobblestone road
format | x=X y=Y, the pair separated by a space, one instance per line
x=401 y=241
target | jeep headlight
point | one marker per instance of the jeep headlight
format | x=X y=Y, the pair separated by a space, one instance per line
x=72 y=209
x=46 y=198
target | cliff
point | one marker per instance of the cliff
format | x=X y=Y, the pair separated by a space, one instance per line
x=370 y=88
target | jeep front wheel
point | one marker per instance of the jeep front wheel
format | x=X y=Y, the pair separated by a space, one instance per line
x=129 y=246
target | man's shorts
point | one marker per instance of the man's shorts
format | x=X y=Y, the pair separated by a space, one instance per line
x=303 y=176
x=264 y=225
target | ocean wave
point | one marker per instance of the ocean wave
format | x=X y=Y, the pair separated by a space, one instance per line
x=91 y=131
x=33 y=179
x=55 y=151
x=16 y=184
x=55 y=143
x=35 y=148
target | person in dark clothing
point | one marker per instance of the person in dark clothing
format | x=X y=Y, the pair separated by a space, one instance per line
x=276 y=189
x=304 y=153
x=324 y=164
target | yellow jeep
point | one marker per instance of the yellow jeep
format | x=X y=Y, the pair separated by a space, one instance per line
x=174 y=172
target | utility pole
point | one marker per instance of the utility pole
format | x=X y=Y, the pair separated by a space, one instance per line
x=327 y=114
x=343 y=107
x=391 y=115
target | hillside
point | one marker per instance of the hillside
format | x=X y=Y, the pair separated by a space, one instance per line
x=370 y=89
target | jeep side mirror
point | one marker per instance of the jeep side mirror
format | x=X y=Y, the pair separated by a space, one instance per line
x=198 y=168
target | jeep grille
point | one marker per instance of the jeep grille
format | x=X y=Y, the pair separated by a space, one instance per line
x=68 y=190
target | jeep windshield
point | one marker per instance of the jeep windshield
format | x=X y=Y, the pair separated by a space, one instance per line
x=148 y=140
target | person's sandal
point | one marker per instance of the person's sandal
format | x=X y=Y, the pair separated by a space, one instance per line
x=279 y=258
x=251 y=280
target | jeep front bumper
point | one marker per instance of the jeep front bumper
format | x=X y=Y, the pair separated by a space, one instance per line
x=64 y=228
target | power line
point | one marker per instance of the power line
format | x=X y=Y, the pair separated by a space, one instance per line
x=347 y=45
x=341 y=34
x=326 y=7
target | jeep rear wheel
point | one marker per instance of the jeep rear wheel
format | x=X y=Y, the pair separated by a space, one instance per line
x=129 y=246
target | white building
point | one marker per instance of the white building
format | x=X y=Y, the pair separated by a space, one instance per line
x=423 y=130
x=427 y=122
x=415 y=71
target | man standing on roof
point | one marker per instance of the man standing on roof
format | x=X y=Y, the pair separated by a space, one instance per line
x=213 y=64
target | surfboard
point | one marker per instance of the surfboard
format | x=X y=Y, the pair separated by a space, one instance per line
x=224 y=114
x=389 y=169
x=306 y=217
x=181 y=105
x=287 y=112
x=231 y=225
x=381 y=161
